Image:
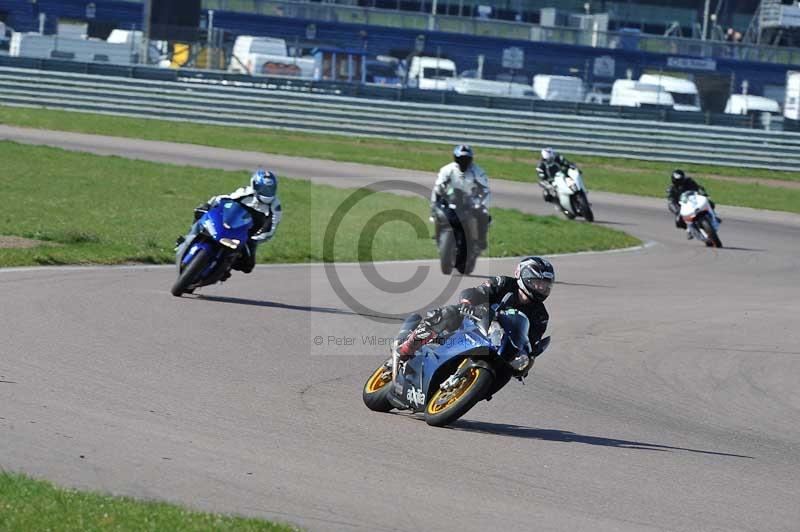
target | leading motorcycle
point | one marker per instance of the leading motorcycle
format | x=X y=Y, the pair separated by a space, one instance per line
x=444 y=381
x=217 y=239
x=456 y=218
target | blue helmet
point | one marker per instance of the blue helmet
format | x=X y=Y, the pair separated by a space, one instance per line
x=265 y=185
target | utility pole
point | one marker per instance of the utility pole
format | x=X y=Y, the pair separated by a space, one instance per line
x=145 y=50
x=705 y=19
x=432 y=19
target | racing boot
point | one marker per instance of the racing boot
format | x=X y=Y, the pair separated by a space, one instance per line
x=419 y=337
x=180 y=240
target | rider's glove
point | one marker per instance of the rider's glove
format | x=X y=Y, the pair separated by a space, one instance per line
x=465 y=308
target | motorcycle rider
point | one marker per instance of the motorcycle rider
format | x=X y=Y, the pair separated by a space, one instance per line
x=530 y=286
x=682 y=183
x=549 y=165
x=260 y=198
x=470 y=178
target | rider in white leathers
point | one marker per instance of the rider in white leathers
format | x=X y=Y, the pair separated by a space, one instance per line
x=465 y=175
x=261 y=200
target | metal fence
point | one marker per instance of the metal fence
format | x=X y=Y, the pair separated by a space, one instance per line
x=273 y=106
x=344 y=88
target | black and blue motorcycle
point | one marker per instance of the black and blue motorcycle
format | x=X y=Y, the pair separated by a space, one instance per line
x=444 y=381
x=205 y=256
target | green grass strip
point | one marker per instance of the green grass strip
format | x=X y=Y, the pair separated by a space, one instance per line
x=27 y=505
x=109 y=210
x=640 y=177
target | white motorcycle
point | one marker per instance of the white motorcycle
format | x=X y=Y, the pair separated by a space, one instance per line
x=701 y=220
x=572 y=195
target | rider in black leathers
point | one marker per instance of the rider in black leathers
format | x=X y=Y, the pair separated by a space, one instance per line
x=682 y=183
x=530 y=286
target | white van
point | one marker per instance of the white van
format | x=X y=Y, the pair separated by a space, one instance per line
x=431 y=73
x=684 y=92
x=791 y=106
x=632 y=93
x=741 y=104
x=266 y=56
x=561 y=88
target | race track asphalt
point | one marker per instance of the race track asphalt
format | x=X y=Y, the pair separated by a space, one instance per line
x=669 y=399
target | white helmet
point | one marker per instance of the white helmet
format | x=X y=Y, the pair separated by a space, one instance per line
x=548 y=154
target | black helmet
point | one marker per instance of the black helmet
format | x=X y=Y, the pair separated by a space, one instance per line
x=535 y=277
x=462 y=154
x=678 y=176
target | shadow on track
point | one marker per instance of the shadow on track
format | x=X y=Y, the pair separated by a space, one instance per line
x=607 y=222
x=516 y=431
x=565 y=283
x=287 y=306
x=733 y=248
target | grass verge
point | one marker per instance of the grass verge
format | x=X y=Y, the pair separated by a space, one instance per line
x=96 y=209
x=27 y=504
x=647 y=178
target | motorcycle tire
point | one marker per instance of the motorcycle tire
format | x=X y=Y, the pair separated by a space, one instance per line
x=711 y=235
x=377 y=390
x=469 y=266
x=447 y=243
x=443 y=409
x=190 y=272
x=584 y=208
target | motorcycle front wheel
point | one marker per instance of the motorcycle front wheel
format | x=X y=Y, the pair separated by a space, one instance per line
x=584 y=208
x=377 y=389
x=447 y=406
x=712 y=239
x=190 y=272
x=447 y=243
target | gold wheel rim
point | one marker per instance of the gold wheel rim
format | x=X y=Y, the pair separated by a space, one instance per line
x=379 y=379
x=439 y=403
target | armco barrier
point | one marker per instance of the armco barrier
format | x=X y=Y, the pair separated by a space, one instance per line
x=379 y=92
x=271 y=106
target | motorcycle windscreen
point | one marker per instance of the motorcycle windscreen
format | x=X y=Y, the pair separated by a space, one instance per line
x=516 y=326
x=234 y=216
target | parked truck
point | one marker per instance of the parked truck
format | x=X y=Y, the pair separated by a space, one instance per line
x=431 y=73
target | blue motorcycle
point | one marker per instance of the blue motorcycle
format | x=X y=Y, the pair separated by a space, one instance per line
x=215 y=242
x=444 y=381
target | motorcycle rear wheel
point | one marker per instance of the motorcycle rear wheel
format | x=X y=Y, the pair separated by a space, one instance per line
x=190 y=272
x=377 y=389
x=445 y=407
